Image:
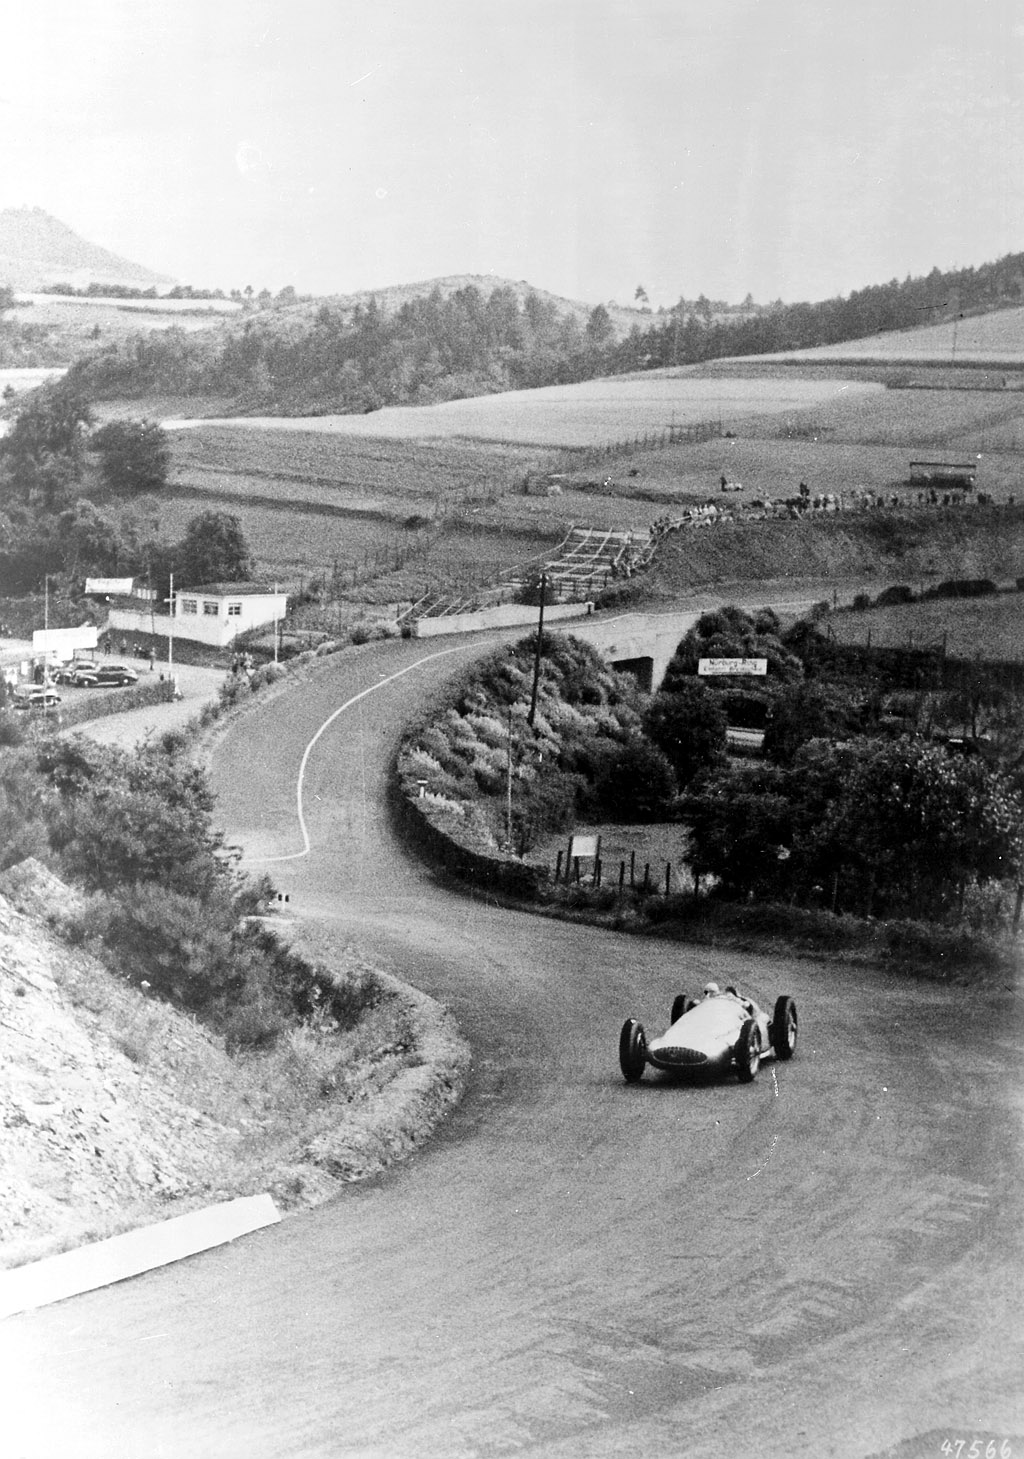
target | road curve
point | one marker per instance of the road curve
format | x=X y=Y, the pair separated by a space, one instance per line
x=827 y=1261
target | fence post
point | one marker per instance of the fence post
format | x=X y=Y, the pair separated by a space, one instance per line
x=622 y=874
x=1017 y=908
x=576 y=868
x=668 y=876
x=597 y=872
x=632 y=868
x=558 y=868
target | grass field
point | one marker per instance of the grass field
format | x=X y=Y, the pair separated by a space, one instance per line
x=591 y=413
x=318 y=501
x=971 y=627
x=996 y=338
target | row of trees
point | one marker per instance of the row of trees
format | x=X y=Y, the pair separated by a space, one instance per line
x=432 y=348
x=439 y=347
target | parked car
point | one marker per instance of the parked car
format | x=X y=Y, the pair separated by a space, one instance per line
x=38 y=697
x=104 y=676
x=68 y=673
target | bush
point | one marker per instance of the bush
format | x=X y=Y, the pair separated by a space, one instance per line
x=689 y=727
x=898 y=593
x=963 y=588
x=179 y=944
x=635 y=781
x=861 y=601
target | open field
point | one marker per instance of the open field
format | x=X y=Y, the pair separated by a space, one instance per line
x=971 y=627
x=592 y=413
x=392 y=476
x=313 y=501
x=996 y=338
x=119 y=316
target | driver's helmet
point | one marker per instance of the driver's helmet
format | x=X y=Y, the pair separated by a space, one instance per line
x=711 y=990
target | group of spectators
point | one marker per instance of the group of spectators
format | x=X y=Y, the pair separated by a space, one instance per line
x=857 y=499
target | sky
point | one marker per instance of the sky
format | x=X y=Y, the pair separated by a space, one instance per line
x=793 y=149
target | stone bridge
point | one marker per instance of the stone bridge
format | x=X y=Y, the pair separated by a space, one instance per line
x=640 y=644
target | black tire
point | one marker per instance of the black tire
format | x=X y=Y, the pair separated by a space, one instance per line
x=680 y=1004
x=748 y=1051
x=784 y=1028
x=632 y=1050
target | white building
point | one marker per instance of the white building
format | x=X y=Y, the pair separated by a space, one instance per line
x=215 y=613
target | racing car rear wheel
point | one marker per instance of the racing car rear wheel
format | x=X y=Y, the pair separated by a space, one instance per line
x=748 y=1051
x=681 y=1004
x=632 y=1050
x=783 y=1029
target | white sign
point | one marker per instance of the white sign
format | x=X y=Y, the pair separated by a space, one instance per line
x=120 y=587
x=64 y=641
x=585 y=846
x=709 y=668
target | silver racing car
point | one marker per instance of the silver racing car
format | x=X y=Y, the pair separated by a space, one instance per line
x=720 y=1029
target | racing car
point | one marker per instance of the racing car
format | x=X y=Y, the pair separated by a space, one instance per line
x=721 y=1029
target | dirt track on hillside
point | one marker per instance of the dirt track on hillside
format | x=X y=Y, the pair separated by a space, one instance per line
x=826 y=1261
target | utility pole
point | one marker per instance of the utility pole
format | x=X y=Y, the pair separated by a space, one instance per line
x=536 y=662
x=170 y=631
x=508 y=787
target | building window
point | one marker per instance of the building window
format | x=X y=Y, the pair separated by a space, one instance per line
x=189 y=605
x=234 y=610
x=211 y=609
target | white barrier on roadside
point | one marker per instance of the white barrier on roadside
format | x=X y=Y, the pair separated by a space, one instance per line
x=104 y=1262
x=504 y=615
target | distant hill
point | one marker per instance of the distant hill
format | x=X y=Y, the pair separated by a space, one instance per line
x=37 y=250
x=393 y=296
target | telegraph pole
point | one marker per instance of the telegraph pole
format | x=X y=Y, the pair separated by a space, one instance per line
x=536 y=662
x=508 y=787
x=170 y=631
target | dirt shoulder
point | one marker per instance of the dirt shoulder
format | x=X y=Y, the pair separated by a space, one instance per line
x=118 y=1110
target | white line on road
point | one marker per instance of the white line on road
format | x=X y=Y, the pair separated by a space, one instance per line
x=427 y=658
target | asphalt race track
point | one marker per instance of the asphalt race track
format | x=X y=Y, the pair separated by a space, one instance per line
x=826 y=1261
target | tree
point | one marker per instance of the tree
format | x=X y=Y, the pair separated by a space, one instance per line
x=918 y=824
x=43 y=451
x=688 y=725
x=212 y=550
x=740 y=829
x=804 y=711
x=134 y=455
x=640 y=296
x=635 y=781
x=599 y=329
x=731 y=632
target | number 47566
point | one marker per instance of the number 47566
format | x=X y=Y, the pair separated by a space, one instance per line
x=976 y=1449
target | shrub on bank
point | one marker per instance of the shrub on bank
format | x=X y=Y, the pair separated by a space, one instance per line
x=517 y=780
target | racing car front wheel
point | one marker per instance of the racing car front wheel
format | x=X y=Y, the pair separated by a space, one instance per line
x=632 y=1050
x=783 y=1029
x=748 y=1051
x=681 y=1004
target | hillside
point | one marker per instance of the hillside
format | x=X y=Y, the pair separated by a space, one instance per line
x=116 y=1110
x=995 y=338
x=393 y=296
x=36 y=250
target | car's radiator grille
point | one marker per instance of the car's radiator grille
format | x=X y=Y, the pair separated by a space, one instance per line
x=684 y=1057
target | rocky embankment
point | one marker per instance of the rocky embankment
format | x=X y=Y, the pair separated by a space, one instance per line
x=118 y=1110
